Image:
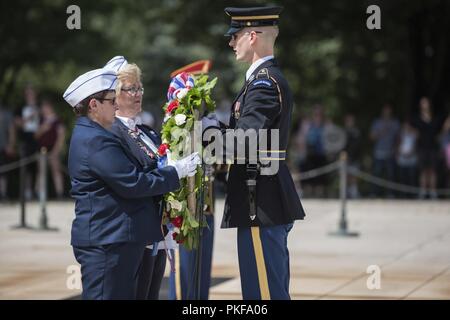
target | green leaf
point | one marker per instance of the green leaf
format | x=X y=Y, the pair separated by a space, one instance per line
x=201 y=80
x=210 y=103
x=189 y=124
x=185 y=229
x=188 y=243
x=194 y=223
x=176 y=205
x=211 y=84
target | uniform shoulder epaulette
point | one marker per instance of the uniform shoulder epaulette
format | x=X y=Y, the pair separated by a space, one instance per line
x=262 y=78
x=263 y=74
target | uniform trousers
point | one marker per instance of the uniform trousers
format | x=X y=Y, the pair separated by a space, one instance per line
x=264 y=262
x=182 y=282
x=151 y=274
x=110 y=272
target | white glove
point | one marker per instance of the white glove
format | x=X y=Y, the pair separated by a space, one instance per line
x=186 y=167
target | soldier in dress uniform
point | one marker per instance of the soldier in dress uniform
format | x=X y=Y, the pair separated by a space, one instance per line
x=115 y=212
x=262 y=206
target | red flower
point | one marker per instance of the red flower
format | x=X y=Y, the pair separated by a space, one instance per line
x=177 y=221
x=174 y=237
x=162 y=150
x=172 y=106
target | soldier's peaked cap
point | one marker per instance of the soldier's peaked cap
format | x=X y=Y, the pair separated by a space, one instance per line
x=252 y=17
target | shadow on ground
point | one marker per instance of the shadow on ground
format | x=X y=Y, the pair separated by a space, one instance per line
x=164 y=292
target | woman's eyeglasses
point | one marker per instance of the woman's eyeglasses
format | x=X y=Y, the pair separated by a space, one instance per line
x=113 y=100
x=133 y=90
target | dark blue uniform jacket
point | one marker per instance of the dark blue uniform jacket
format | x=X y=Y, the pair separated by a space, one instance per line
x=113 y=192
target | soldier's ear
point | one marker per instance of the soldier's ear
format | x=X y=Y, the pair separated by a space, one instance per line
x=92 y=104
x=253 y=37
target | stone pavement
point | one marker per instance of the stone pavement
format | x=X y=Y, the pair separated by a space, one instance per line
x=408 y=241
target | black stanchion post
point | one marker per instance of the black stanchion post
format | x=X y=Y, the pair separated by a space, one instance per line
x=22 y=177
x=23 y=222
x=201 y=217
x=342 y=230
x=43 y=221
x=198 y=285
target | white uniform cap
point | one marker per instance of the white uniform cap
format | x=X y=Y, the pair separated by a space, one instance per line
x=116 y=63
x=89 y=83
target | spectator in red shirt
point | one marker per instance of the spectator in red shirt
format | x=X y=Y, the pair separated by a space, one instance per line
x=51 y=135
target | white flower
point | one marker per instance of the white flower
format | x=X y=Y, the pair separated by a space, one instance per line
x=176 y=205
x=176 y=230
x=180 y=119
x=182 y=93
x=166 y=117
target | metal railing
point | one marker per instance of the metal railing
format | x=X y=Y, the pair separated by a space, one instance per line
x=345 y=170
x=42 y=159
x=340 y=166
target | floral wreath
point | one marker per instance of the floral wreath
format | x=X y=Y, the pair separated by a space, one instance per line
x=188 y=97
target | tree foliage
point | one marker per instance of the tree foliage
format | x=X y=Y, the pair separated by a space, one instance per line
x=324 y=48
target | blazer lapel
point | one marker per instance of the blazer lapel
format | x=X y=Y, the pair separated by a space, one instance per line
x=151 y=134
x=131 y=144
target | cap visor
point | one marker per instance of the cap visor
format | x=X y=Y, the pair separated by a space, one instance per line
x=231 y=31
